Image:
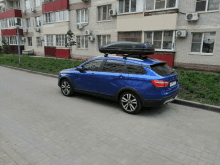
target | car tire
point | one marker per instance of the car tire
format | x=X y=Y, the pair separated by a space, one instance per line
x=130 y=102
x=66 y=87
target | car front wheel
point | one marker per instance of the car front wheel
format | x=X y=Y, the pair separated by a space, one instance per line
x=130 y=102
x=66 y=88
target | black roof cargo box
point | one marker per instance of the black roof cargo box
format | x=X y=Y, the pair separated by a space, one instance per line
x=131 y=48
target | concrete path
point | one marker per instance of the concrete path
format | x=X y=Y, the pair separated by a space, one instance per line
x=38 y=125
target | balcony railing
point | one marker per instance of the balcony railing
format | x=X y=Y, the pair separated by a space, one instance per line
x=9 y=8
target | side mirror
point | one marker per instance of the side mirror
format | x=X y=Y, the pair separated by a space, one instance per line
x=80 y=69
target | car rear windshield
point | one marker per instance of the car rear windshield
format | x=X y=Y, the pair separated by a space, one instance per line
x=162 y=69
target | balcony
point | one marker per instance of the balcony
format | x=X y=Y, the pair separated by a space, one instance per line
x=52 y=5
x=10 y=12
x=11 y=32
x=139 y=22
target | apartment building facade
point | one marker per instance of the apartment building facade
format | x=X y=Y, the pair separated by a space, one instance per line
x=98 y=22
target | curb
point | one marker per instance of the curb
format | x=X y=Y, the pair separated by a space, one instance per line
x=197 y=105
x=176 y=101
x=30 y=71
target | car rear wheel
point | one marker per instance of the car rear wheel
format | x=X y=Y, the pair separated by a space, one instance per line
x=130 y=102
x=66 y=88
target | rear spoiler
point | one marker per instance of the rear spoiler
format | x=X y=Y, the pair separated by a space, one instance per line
x=128 y=49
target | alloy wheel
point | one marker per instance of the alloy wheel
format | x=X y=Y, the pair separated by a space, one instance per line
x=65 y=87
x=129 y=102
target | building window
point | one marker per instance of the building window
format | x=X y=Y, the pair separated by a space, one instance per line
x=13 y=40
x=82 y=42
x=103 y=12
x=61 y=40
x=18 y=4
x=38 y=21
x=48 y=17
x=50 y=40
x=29 y=41
x=203 y=43
x=207 y=5
x=62 y=16
x=160 y=4
x=129 y=6
x=28 y=22
x=11 y=22
x=37 y=3
x=39 y=42
x=82 y=16
x=162 y=40
x=129 y=36
x=4 y=24
x=27 y=4
x=103 y=40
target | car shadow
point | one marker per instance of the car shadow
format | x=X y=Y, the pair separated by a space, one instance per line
x=146 y=111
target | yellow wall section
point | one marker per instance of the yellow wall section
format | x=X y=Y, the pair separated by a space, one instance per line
x=58 y=28
x=140 y=22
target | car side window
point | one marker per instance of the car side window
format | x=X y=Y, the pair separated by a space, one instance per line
x=114 y=66
x=93 y=65
x=135 y=69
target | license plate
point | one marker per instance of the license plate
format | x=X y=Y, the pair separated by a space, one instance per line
x=172 y=83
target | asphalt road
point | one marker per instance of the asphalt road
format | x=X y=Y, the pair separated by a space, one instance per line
x=38 y=125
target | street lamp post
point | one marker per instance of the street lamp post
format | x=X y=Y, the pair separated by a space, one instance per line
x=17 y=25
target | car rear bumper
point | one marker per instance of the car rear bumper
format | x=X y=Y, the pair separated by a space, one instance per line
x=156 y=103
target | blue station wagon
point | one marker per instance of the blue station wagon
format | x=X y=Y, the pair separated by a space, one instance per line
x=134 y=83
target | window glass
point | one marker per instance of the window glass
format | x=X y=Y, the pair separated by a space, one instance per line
x=162 y=69
x=208 y=42
x=121 y=6
x=157 y=40
x=160 y=4
x=99 y=13
x=200 y=5
x=114 y=66
x=171 y=3
x=93 y=65
x=82 y=15
x=78 y=41
x=196 y=42
x=29 y=41
x=167 y=40
x=78 y=16
x=149 y=4
x=135 y=69
x=133 y=5
x=126 y=6
x=213 y=4
x=148 y=37
x=104 y=16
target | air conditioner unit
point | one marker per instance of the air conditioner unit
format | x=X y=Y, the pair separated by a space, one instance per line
x=80 y=26
x=91 y=38
x=37 y=29
x=192 y=16
x=33 y=9
x=181 y=33
x=24 y=12
x=112 y=12
x=88 y=32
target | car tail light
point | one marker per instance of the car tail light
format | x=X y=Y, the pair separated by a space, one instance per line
x=160 y=83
